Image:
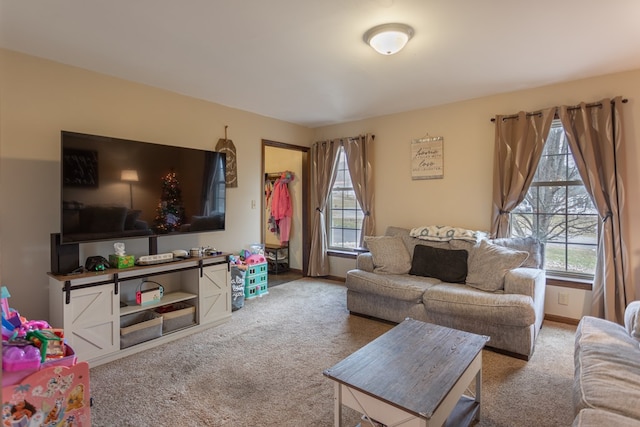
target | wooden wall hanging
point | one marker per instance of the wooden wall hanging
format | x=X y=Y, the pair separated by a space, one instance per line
x=226 y=146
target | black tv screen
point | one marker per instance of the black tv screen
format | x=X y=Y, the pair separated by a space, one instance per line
x=116 y=188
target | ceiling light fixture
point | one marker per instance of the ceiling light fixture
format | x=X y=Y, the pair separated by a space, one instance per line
x=388 y=39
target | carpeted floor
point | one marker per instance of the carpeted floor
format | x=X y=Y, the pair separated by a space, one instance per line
x=284 y=277
x=264 y=368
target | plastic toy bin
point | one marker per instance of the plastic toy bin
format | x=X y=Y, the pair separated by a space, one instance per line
x=14 y=377
x=139 y=327
x=176 y=316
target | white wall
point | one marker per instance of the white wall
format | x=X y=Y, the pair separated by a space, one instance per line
x=574 y=305
x=39 y=98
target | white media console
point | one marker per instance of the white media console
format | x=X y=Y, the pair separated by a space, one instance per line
x=89 y=306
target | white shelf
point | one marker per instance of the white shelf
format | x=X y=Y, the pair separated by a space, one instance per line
x=169 y=298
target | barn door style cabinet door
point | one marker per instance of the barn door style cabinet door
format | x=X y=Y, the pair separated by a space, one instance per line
x=91 y=320
x=215 y=293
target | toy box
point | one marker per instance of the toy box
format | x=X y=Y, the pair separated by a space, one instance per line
x=14 y=377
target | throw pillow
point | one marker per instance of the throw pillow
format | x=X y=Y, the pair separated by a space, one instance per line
x=528 y=244
x=389 y=254
x=632 y=319
x=448 y=265
x=488 y=264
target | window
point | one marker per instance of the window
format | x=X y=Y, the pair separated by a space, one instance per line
x=558 y=210
x=345 y=215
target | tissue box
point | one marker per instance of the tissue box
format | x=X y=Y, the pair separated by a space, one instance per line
x=122 y=261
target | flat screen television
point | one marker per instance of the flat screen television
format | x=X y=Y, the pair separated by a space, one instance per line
x=116 y=189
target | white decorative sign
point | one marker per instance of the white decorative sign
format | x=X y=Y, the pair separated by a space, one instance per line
x=427 y=158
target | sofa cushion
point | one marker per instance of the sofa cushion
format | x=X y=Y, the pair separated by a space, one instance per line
x=390 y=256
x=411 y=242
x=599 y=418
x=447 y=265
x=526 y=244
x=462 y=301
x=488 y=264
x=402 y=287
x=632 y=319
x=607 y=368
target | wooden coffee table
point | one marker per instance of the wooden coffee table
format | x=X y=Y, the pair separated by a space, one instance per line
x=414 y=375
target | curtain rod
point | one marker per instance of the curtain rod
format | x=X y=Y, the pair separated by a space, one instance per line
x=373 y=137
x=573 y=107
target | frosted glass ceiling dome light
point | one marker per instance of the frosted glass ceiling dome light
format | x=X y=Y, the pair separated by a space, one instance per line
x=388 y=39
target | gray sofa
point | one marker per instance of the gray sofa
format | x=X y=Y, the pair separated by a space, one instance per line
x=606 y=388
x=500 y=289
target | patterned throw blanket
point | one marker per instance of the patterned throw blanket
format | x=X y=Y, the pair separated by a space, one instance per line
x=444 y=233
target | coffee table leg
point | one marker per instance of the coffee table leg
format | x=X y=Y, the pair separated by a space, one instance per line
x=337 y=403
x=478 y=392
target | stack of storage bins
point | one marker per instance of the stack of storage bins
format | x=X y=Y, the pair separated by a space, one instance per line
x=255 y=282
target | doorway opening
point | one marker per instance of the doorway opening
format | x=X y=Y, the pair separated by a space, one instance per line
x=279 y=157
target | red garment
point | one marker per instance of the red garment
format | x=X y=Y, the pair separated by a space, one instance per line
x=281 y=209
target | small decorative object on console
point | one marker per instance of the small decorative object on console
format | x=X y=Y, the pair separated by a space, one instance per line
x=120 y=259
x=180 y=253
x=149 y=296
x=155 y=259
x=96 y=263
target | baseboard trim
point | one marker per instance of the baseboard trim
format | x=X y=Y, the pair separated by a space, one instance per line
x=561 y=319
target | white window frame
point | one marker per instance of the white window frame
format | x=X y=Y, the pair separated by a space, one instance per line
x=339 y=188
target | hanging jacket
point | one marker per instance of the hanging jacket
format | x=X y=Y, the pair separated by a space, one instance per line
x=281 y=208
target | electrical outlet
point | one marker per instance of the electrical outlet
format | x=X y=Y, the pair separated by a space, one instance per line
x=563 y=298
x=253 y=204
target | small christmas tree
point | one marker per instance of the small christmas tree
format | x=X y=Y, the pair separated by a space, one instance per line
x=170 y=211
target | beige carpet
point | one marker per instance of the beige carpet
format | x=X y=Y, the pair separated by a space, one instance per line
x=264 y=368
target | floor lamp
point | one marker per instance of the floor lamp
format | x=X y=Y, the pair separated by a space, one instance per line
x=130 y=176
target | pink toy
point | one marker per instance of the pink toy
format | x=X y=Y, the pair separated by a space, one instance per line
x=255 y=259
x=32 y=325
x=16 y=358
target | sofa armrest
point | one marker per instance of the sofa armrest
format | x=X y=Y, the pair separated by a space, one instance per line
x=365 y=262
x=525 y=281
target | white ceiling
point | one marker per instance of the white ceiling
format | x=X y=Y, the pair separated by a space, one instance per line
x=304 y=61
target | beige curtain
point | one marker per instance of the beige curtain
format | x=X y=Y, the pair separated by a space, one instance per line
x=518 y=147
x=595 y=137
x=359 y=153
x=323 y=160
